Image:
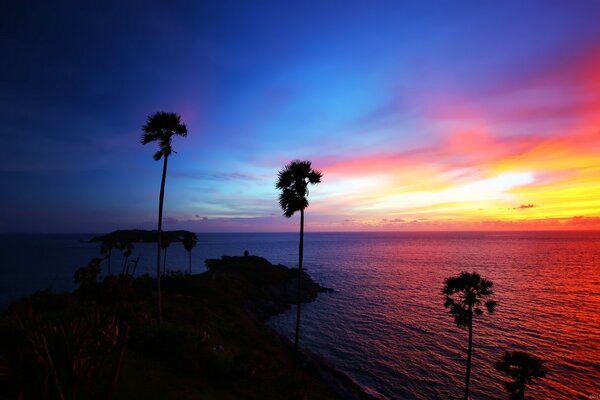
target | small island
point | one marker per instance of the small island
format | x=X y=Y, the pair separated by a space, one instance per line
x=102 y=341
x=141 y=236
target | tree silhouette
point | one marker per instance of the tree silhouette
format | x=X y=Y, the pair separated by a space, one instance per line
x=522 y=368
x=464 y=295
x=293 y=182
x=127 y=248
x=164 y=245
x=106 y=250
x=160 y=127
x=189 y=242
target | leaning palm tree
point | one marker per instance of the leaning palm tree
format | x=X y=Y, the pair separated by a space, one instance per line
x=293 y=182
x=464 y=295
x=522 y=368
x=160 y=127
x=189 y=242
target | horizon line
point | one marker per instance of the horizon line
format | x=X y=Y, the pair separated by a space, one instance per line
x=332 y=232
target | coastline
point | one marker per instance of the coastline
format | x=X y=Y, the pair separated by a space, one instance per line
x=281 y=297
x=214 y=339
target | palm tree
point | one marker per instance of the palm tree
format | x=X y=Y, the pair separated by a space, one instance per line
x=106 y=250
x=164 y=245
x=464 y=295
x=522 y=368
x=189 y=242
x=127 y=248
x=160 y=127
x=293 y=182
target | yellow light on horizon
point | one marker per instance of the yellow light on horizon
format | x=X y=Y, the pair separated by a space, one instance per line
x=494 y=189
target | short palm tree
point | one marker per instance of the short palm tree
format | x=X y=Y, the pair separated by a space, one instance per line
x=464 y=296
x=293 y=181
x=161 y=127
x=127 y=248
x=106 y=250
x=164 y=245
x=523 y=368
x=189 y=242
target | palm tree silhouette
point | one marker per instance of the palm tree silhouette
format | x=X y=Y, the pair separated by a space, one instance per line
x=127 y=248
x=293 y=182
x=164 y=245
x=522 y=368
x=160 y=127
x=106 y=251
x=464 y=295
x=189 y=242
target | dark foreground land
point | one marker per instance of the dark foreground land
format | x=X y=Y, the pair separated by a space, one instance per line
x=102 y=341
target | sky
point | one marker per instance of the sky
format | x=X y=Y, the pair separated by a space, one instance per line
x=421 y=115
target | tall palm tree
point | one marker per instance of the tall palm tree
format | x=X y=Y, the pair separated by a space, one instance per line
x=293 y=181
x=464 y=296
x=189 y=242
x=522 y=368
x=161 y=127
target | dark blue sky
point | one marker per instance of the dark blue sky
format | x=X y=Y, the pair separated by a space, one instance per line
x=258 y=83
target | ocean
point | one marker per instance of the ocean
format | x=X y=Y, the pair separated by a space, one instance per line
x=385 y=324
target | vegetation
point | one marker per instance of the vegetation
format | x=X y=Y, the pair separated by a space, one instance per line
x=161 y=127
x=464 y=296
x=164 y=245
x=127 y=248
x=124 y=240
x=189 y=242
x=102 y=342
x=106 y=250
x=523 y=368
x=66 y=358
x=293 y=183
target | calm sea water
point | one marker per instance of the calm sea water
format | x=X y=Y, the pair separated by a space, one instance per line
x=385 y=324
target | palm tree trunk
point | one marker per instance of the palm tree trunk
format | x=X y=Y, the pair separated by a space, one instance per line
x=109 y=251
x=190 y=262
x=125 y=265
x=164 y=267
x=159 y=239
x=470 y=349
x=135 y=264
x=300 y=256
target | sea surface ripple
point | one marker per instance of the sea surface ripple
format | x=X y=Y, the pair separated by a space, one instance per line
x=385 y=324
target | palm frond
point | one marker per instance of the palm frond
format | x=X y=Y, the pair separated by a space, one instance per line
x=158 y=155
x=160 y=127
x=149 y=137
x=522 y=368
x=491 y=306
x=189 y=241
x=464 y=294
x=314 y=177
x=293 y=181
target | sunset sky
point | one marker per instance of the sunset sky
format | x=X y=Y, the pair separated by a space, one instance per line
x=423 y=115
